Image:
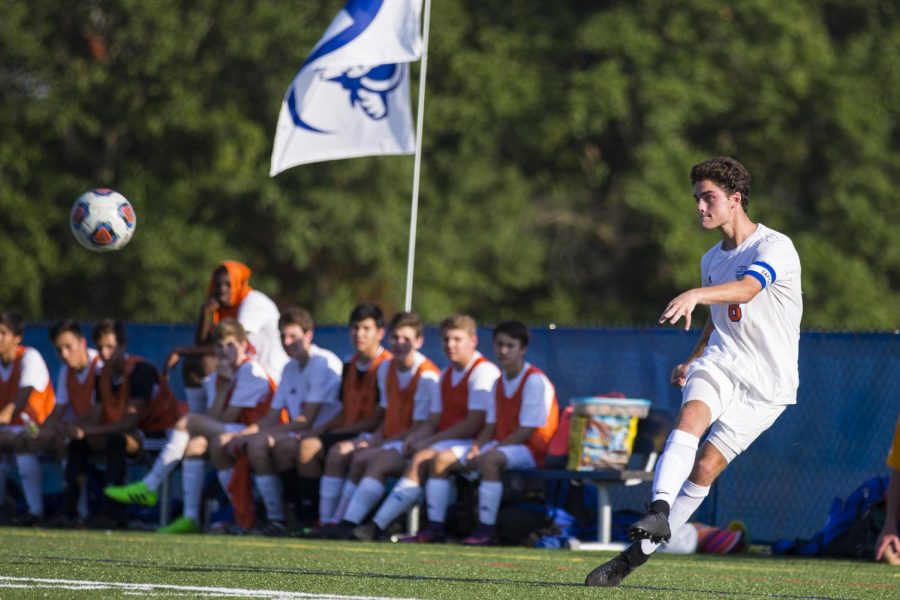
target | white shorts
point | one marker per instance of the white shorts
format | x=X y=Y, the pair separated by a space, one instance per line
x=459 y=447
x=395 y=445
x=738 y=417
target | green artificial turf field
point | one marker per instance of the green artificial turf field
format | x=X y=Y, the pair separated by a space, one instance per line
x=77 y=564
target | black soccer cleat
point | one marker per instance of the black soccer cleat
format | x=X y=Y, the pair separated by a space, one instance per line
x=612 y=572
x=653 y=526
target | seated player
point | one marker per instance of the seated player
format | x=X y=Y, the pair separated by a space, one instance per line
x=75 y=401
x=409 y=391
x=360 y=415
x=124 y=386
x=466 y=389
x=238 y=393
x=887 y=546
x=309 y=393
x=517 y=432
x=229 y=295
x=26 y=400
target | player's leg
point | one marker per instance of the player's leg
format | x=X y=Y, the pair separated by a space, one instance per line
x=259 y=452
x=407 y=491
x=7 y=446
x=337 y=463
x=310 y=459
x=491 y=466
x=193 y=476
x=30 y=477
x=384 y=462
x=358 y=462
x=706 y=394
x=285 y=455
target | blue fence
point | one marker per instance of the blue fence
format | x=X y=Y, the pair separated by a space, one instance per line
x=830 y=442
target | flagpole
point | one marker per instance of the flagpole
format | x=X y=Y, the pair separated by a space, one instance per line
x=417 y=168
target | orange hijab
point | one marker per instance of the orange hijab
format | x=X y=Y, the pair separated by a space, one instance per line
x=239 y=273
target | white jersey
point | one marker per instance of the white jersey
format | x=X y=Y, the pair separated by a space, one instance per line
x=426 y=400
x=538 y=396
x=33 y=373
x=62 y=390
x=250 y=386
x=319 y=382
x=259 y=317
x=758 y=342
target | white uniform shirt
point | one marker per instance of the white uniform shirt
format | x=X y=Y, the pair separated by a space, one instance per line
x=758 y=342
x=34 y=372
x=319 y=382
x=259 y=317
x=537 y=397
x=481 y=383
x=251 y=386
x=428 y=391
x=62 y=390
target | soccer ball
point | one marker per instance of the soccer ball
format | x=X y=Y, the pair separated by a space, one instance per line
x=102 y=220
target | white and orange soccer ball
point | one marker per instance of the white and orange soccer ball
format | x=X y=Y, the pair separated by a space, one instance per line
x=103 y=220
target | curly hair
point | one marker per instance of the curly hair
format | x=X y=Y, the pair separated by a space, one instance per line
x=727 y=173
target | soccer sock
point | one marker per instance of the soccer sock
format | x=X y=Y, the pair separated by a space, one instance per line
x=83 y=506
x=168 y=459
x=193 y=474
x=347 y=492
x=675 y=465
x=368 y=493
x=224 y=476
x=31 y=477
x=687 y=502
x=308 y=507
x=437 y=497
x=329 y=492
x=404 y=495
x=489 y=495
x=269 y=487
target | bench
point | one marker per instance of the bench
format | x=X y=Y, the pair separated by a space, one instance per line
x=603 y=480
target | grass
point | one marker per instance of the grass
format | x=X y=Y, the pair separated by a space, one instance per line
x=394 y=570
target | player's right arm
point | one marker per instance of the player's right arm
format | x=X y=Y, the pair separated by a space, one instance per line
x=680 y=370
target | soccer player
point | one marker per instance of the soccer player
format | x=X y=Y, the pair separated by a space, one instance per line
x=517 y=432
x=467 y=387
x=410 y=394
x=888 y=544
x=125 y=386
x=75 y=403
x=26 y=400
x=229 y=295
x=239 y=393
x=360 y=414
x=743 y=371
x=309 y=393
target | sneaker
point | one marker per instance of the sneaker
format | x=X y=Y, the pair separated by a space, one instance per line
x=653 y=526
x=612 y=572
x=226 y=528
x=486 y=535
x=29 y=520
x=340 y=531
x=270 y=529
x=432 y=533
x=133 y=493
x=181 y=525
x=367 y=532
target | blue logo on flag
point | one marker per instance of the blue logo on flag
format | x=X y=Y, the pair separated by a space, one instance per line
x=368 y=87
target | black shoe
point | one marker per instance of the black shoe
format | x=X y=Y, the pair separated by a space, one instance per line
x=29 y=520
x=653 y=526
x=612 y=572
x=368 y=532
x=340 y=531
x=270 y=529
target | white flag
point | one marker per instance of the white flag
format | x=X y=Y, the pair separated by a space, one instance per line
x=351 y=96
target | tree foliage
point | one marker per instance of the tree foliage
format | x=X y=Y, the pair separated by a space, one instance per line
x=558 y=138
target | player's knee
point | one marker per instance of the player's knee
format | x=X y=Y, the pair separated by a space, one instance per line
x=182 y=423
x=492 y=464
x=442 y=462
x=707 y=468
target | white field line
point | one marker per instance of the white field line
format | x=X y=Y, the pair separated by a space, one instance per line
x=149 y=588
